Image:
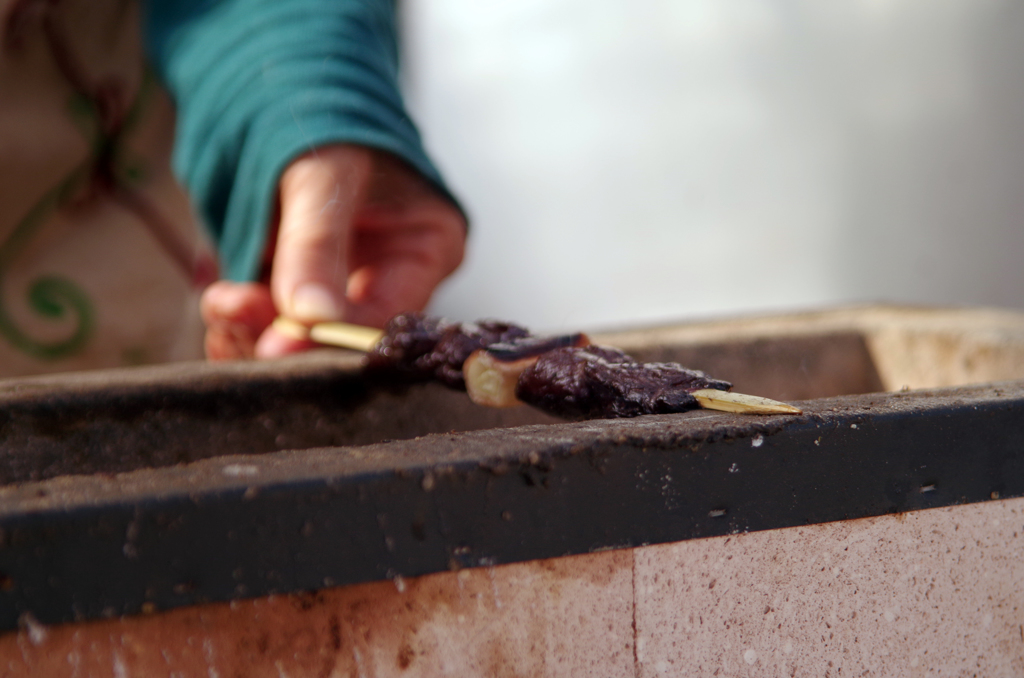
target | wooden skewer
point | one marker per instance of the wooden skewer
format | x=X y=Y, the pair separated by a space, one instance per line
x=727 y=401
x=342 y=335
x=360 y=338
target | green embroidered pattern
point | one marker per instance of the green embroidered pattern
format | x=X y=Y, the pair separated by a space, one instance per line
x=49 y=296
x=52 y=296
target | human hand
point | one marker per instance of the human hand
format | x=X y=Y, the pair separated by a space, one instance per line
x=361 y=237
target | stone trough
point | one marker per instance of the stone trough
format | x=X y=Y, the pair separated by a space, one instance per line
x=291 y=519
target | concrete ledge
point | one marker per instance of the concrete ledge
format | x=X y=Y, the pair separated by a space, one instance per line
x=932 y=592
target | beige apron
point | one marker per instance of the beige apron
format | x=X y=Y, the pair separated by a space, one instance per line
x=101 y=260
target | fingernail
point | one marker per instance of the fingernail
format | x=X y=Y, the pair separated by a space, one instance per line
x=314 y=303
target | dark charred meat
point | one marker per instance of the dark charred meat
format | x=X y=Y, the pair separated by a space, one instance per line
x=492 y=373
x=420 y=347
x=561 y=375
x=531 y=347
x=600 y=382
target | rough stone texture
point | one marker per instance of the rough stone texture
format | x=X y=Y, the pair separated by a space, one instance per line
x=567 y=617
x=929 y=593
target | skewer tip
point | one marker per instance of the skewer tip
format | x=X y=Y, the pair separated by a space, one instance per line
x=741 y=403
x=342 y=335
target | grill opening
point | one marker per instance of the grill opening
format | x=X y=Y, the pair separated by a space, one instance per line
x=122 y=420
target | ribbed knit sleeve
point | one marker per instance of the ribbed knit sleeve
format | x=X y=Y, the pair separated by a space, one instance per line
x=257 y=83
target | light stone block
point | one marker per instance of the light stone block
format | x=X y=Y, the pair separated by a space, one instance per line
x=928 y=593
x=562 y=617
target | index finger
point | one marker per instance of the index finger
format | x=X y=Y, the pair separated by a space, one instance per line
x=320 y=194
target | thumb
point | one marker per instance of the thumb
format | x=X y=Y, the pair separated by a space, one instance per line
x=319 y=193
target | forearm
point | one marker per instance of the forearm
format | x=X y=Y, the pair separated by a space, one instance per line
x=258 y=83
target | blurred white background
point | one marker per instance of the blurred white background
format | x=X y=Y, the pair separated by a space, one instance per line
x=629 y=162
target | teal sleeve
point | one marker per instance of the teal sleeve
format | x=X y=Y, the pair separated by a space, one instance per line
x=257 y=83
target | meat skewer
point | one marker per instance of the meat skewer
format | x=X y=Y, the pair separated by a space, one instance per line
x=502 y=365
